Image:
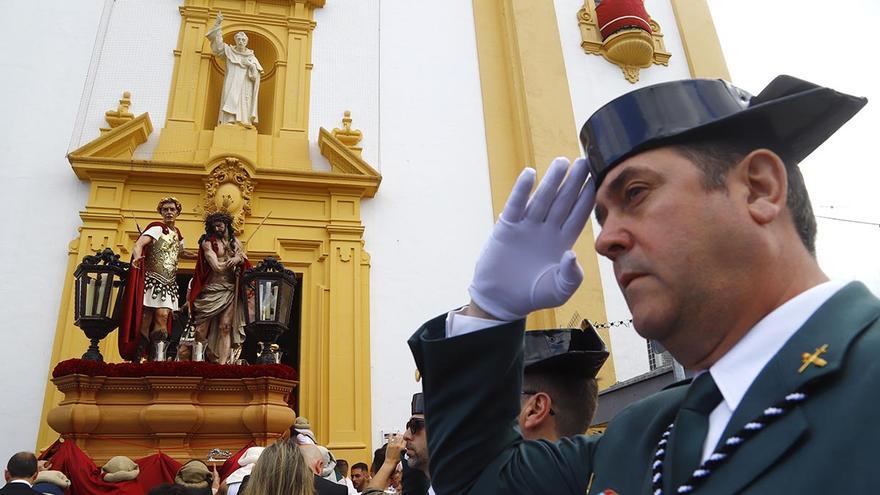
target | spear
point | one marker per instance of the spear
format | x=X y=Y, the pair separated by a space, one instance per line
x=258 y=227
x=136 y=224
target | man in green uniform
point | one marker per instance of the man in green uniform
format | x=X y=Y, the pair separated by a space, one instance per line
x=707 y=221
x=559 y=382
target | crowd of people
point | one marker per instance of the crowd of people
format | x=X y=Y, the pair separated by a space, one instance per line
x=295 y=465
x=706 y=218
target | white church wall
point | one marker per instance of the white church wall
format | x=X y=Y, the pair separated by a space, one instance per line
x=593 y=81
x=345 y=55
x=433 y=211
x=42 y=84
x=137 y=55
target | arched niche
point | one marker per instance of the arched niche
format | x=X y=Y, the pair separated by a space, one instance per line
x=268 y=56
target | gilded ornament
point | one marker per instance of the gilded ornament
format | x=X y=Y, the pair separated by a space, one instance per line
x=120 y=115
x=348 y=136
x=229 y=189
x=813 y=359
x=632 y=41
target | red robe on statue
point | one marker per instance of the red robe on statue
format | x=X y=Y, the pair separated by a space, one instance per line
x=133 y=303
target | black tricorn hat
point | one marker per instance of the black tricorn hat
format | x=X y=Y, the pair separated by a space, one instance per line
x=790 y=116
x=418 y=403
x=570 y=351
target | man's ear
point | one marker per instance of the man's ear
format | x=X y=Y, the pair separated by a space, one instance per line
x=537 y=409
x=763 y=174
x=6 y=475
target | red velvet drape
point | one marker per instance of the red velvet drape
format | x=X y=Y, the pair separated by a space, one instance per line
x=614 y=15
x=86 y=478
x=231 y=464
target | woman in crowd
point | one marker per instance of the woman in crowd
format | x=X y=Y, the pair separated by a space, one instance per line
x=280 y=470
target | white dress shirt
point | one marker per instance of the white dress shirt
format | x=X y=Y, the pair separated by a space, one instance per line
x=738 y=368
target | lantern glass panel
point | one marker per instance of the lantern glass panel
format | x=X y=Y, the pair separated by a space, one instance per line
x=97 y=294
x=285 y=303
x=267 y=300
x=113 y=295
x=248 y=297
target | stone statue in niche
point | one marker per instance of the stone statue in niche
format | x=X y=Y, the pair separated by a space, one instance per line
x=238 y=102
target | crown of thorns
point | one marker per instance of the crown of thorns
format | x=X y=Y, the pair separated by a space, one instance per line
x=220 y=216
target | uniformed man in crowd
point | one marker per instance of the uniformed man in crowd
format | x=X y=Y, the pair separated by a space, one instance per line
x=708 y=224
x=560 y=390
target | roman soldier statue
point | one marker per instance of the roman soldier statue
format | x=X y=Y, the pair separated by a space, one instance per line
x=151 y=294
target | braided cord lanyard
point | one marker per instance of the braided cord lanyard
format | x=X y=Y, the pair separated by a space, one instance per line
x=727 y=448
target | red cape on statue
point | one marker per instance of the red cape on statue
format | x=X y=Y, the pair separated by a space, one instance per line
x=133 y=303
x=203 y=271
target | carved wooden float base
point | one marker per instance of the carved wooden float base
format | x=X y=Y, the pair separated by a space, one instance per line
x=184 y=417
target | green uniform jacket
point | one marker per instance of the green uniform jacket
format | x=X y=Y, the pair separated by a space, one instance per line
x=828 y=444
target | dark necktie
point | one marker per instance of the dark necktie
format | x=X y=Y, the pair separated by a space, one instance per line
x=691 y=426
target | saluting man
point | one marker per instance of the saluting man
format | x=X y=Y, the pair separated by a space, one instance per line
x=707 y=221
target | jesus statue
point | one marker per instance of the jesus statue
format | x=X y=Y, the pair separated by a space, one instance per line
x=238 y=102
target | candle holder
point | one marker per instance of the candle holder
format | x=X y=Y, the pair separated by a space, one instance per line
x=267 y=296
x=100 y=280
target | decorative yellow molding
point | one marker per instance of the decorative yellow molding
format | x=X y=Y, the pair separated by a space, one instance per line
x=700 y=40
x=280 y=34
x=629 y=49
x=343 y=158
x=529 y=121
x=229 y=189
x=348 y=136
x=169 y=413
x=121 y=115
x=120 y=141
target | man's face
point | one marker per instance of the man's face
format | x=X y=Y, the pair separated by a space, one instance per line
x=416 y=442
x=677 y=248
x=359 y=479
x=168 y=211
x=219 y=228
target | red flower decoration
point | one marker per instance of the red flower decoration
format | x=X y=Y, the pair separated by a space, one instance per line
x=172 y=368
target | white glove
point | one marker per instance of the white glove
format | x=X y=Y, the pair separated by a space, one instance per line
x=527 y=263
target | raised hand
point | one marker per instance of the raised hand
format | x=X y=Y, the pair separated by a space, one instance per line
x=527 y=263
x=396 y=445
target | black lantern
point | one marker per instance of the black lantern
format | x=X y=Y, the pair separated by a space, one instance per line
x=100 y=281
x=267 y=296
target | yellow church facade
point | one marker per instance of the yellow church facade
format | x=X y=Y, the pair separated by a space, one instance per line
x=388 y=137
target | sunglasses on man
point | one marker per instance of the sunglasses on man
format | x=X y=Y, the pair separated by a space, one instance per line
x=415 y=425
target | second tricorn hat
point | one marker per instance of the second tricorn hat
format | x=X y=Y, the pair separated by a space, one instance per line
x=570 y=351
x=790 y=116
x=418 y=403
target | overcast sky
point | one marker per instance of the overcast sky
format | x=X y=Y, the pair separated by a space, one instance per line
x=832 y=44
